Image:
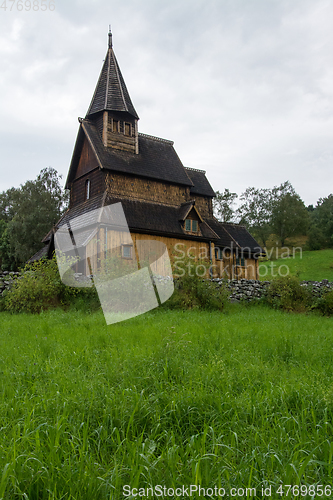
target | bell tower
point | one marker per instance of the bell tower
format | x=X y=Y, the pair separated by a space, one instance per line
x=111 y=102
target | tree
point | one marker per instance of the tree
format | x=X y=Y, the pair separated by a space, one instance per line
x=284 y=188
x=29 y=212
x=289 y=216
x=6 y=261
x=222 y=205
x=255 y=212
x=321 y=229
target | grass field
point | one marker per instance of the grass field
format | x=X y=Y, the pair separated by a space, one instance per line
x=316 y=265
x=234 y=400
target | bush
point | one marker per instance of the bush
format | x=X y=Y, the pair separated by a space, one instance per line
x=325 y=304
x=193 y=291
x=40 y=288
x=287 y=293
x=316 y=239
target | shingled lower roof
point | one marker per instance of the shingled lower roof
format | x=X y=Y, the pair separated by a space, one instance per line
x=200 y=182
x=144 y=217
x=244 y=239
x=234 y=236
x=84 y=208
x=154 y=218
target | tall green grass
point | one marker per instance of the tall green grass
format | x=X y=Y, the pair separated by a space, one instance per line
x=236 y=399
x=310 y=265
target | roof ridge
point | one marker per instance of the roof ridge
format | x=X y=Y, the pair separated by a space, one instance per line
x=195 y=169
x=187 y=202
x=107 y=82
x=234 y=224
x=135 y=200
x=166 y=141
x=119 y=82
x=229 y=223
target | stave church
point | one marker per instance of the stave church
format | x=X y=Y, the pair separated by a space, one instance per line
x=162 y=199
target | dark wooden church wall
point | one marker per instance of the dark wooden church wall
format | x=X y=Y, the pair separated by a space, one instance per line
x=97 y=186
x=87 y=160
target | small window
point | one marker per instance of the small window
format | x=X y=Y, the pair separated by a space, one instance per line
x=128 y=129
x=187 y=225
x=115 y=126
x=87 y=189
x=240 y=261
x=191 y=225
x=127 y=251
x=218 y=253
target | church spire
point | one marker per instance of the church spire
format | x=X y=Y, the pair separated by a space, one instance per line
x=111 y=93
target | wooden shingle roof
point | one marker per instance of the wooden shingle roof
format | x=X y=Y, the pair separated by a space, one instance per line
x=157 y=158
x=143 y=217
x=234 y=236
x=111 y=93
x=243 y=238
x=201 y=184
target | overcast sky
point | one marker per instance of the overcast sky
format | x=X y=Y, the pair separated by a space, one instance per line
x=244 y=88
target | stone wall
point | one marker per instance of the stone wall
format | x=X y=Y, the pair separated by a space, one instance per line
x=254 y=289
x=239 y=289
x=6 y=279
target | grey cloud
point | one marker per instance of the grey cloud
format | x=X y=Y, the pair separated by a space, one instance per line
x=243 y=88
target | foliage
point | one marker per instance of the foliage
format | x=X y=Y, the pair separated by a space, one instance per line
x=288 y=294
x=222 y=205
x=29 y=213
x=316 y=239
x=40 y=288
x=289 y=216
x=7 y=259
x=255 y=212
x=193 y=289
x=325 y=304
x=321 y=230
x=279 y=210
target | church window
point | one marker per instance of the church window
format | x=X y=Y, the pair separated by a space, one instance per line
x=240 y=261
x=115 y=126
x=191 y=225
x=218 y=253
x=128 y=129
x=87 y=194
x=127 y=251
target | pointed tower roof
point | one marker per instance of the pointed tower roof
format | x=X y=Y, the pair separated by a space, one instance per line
x=111 y=93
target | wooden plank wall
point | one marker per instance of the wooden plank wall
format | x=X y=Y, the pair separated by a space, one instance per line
x=97 y=186
x=181 y=252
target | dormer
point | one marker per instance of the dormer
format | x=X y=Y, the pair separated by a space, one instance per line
x=111 y=100
x=190 y=218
